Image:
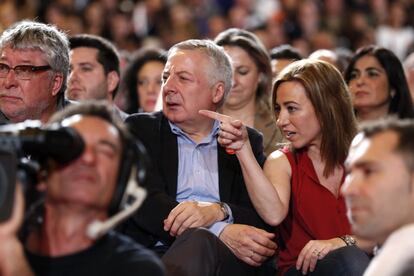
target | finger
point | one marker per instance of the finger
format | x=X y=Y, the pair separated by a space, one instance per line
x=180 y=221
x=258 y=258
x=230 y=151
x=190 y=222
x=228 y=135
x=264 y=238
x=214 y=115
x=168 y=222
x=323 y=253
x=230 y=128
x=301 y=257
x=312 y=262
x=224 y=142
x=250 y=261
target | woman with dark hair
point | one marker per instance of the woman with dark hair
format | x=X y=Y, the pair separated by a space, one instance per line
x=142 y=80
x=377 y=83
x=298 y=189
x=249 y=98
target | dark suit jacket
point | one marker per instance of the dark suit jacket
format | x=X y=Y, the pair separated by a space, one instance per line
x=154 y=131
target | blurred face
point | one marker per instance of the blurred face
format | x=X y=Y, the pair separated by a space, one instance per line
x=278 y=65
x=87 y=79
x=149 y=84
x=28 y=99
x=245 y=78
x=90 y=180
x=296 y=116
x=186 y=88
x=378 y=188
x=369 y=84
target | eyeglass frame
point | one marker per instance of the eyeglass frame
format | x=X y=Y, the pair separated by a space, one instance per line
x=32 y=69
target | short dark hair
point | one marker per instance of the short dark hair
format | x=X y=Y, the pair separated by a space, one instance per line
x=130 y=80
x=285 y=51
x=97 y=108
x=108 y=55
x=404 y=128
x=401 y=104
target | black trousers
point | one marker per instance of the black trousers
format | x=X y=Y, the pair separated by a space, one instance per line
x=198 y=252
x=344 y=261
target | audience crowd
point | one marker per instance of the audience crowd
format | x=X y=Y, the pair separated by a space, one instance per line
x=278 y=137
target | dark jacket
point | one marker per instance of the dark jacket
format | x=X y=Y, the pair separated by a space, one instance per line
x=155 y=133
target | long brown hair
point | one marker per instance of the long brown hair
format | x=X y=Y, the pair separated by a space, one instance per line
x=329 y=95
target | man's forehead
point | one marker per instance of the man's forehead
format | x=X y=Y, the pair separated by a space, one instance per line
x=88 y=53
x=22 y=54
x=373 y=148
x=96 y=120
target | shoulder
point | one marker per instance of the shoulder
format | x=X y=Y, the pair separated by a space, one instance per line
x=278 y=162
x=132 y=257
x=144 y=117
x=143 y=124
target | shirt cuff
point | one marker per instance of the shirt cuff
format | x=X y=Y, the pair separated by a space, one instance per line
x=218 y=226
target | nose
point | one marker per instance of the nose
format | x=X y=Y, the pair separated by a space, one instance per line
x=359 y=80
x=169 y=85
x=236 y=79
x=73 y=75
x=10 y=80
x=351 y=185
x=282 y=119
x=154 y=88
x=88 y=156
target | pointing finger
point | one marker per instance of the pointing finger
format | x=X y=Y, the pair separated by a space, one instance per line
x=216 y=116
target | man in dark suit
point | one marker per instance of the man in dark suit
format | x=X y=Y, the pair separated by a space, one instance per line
x=198 y=209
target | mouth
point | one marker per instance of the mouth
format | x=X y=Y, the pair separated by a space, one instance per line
x=289 y=134
x=9 y=98
x=361 y=93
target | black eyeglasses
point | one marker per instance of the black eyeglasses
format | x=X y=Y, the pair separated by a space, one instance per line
x=22 y=72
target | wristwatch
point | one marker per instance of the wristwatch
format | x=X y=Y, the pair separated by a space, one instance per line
x=224 y=209
x=348 y=240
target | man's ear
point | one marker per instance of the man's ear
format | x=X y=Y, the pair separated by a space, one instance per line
x=218 y=92
x=112 y=81
x=57 y=83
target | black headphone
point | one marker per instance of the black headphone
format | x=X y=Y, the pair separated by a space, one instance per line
x=134 y=155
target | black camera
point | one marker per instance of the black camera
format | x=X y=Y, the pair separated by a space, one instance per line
x=24 y=149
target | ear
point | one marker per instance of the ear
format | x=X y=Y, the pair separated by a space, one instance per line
x=112 y=80
x=218 y=92
x=57 y=83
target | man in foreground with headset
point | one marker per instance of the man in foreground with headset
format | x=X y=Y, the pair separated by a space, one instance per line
x=77 y=194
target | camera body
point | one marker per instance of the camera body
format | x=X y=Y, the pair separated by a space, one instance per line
x=24 y=149
x=8 y=167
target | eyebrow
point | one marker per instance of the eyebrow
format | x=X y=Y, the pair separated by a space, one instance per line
x=112 y=145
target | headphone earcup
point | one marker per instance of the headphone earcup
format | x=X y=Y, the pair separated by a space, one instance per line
x=134 y=154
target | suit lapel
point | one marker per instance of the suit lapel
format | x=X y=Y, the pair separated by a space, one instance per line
x=226 y=173
x=169 y=157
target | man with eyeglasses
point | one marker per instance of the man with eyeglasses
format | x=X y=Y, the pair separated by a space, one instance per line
x=34 y=65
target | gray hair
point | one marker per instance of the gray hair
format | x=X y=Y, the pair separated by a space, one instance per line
x=220 y=69
x=46 y=38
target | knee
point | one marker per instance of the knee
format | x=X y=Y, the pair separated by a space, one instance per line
x=198 y=238
x=348 y=260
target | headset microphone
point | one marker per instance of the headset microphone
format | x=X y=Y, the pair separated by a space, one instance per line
x=133 y=197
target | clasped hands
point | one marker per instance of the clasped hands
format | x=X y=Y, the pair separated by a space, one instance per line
x=250 y=244
x=192 y=214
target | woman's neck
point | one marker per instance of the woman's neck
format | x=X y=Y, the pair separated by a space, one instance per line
x=246 y=114
x=368 y=114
